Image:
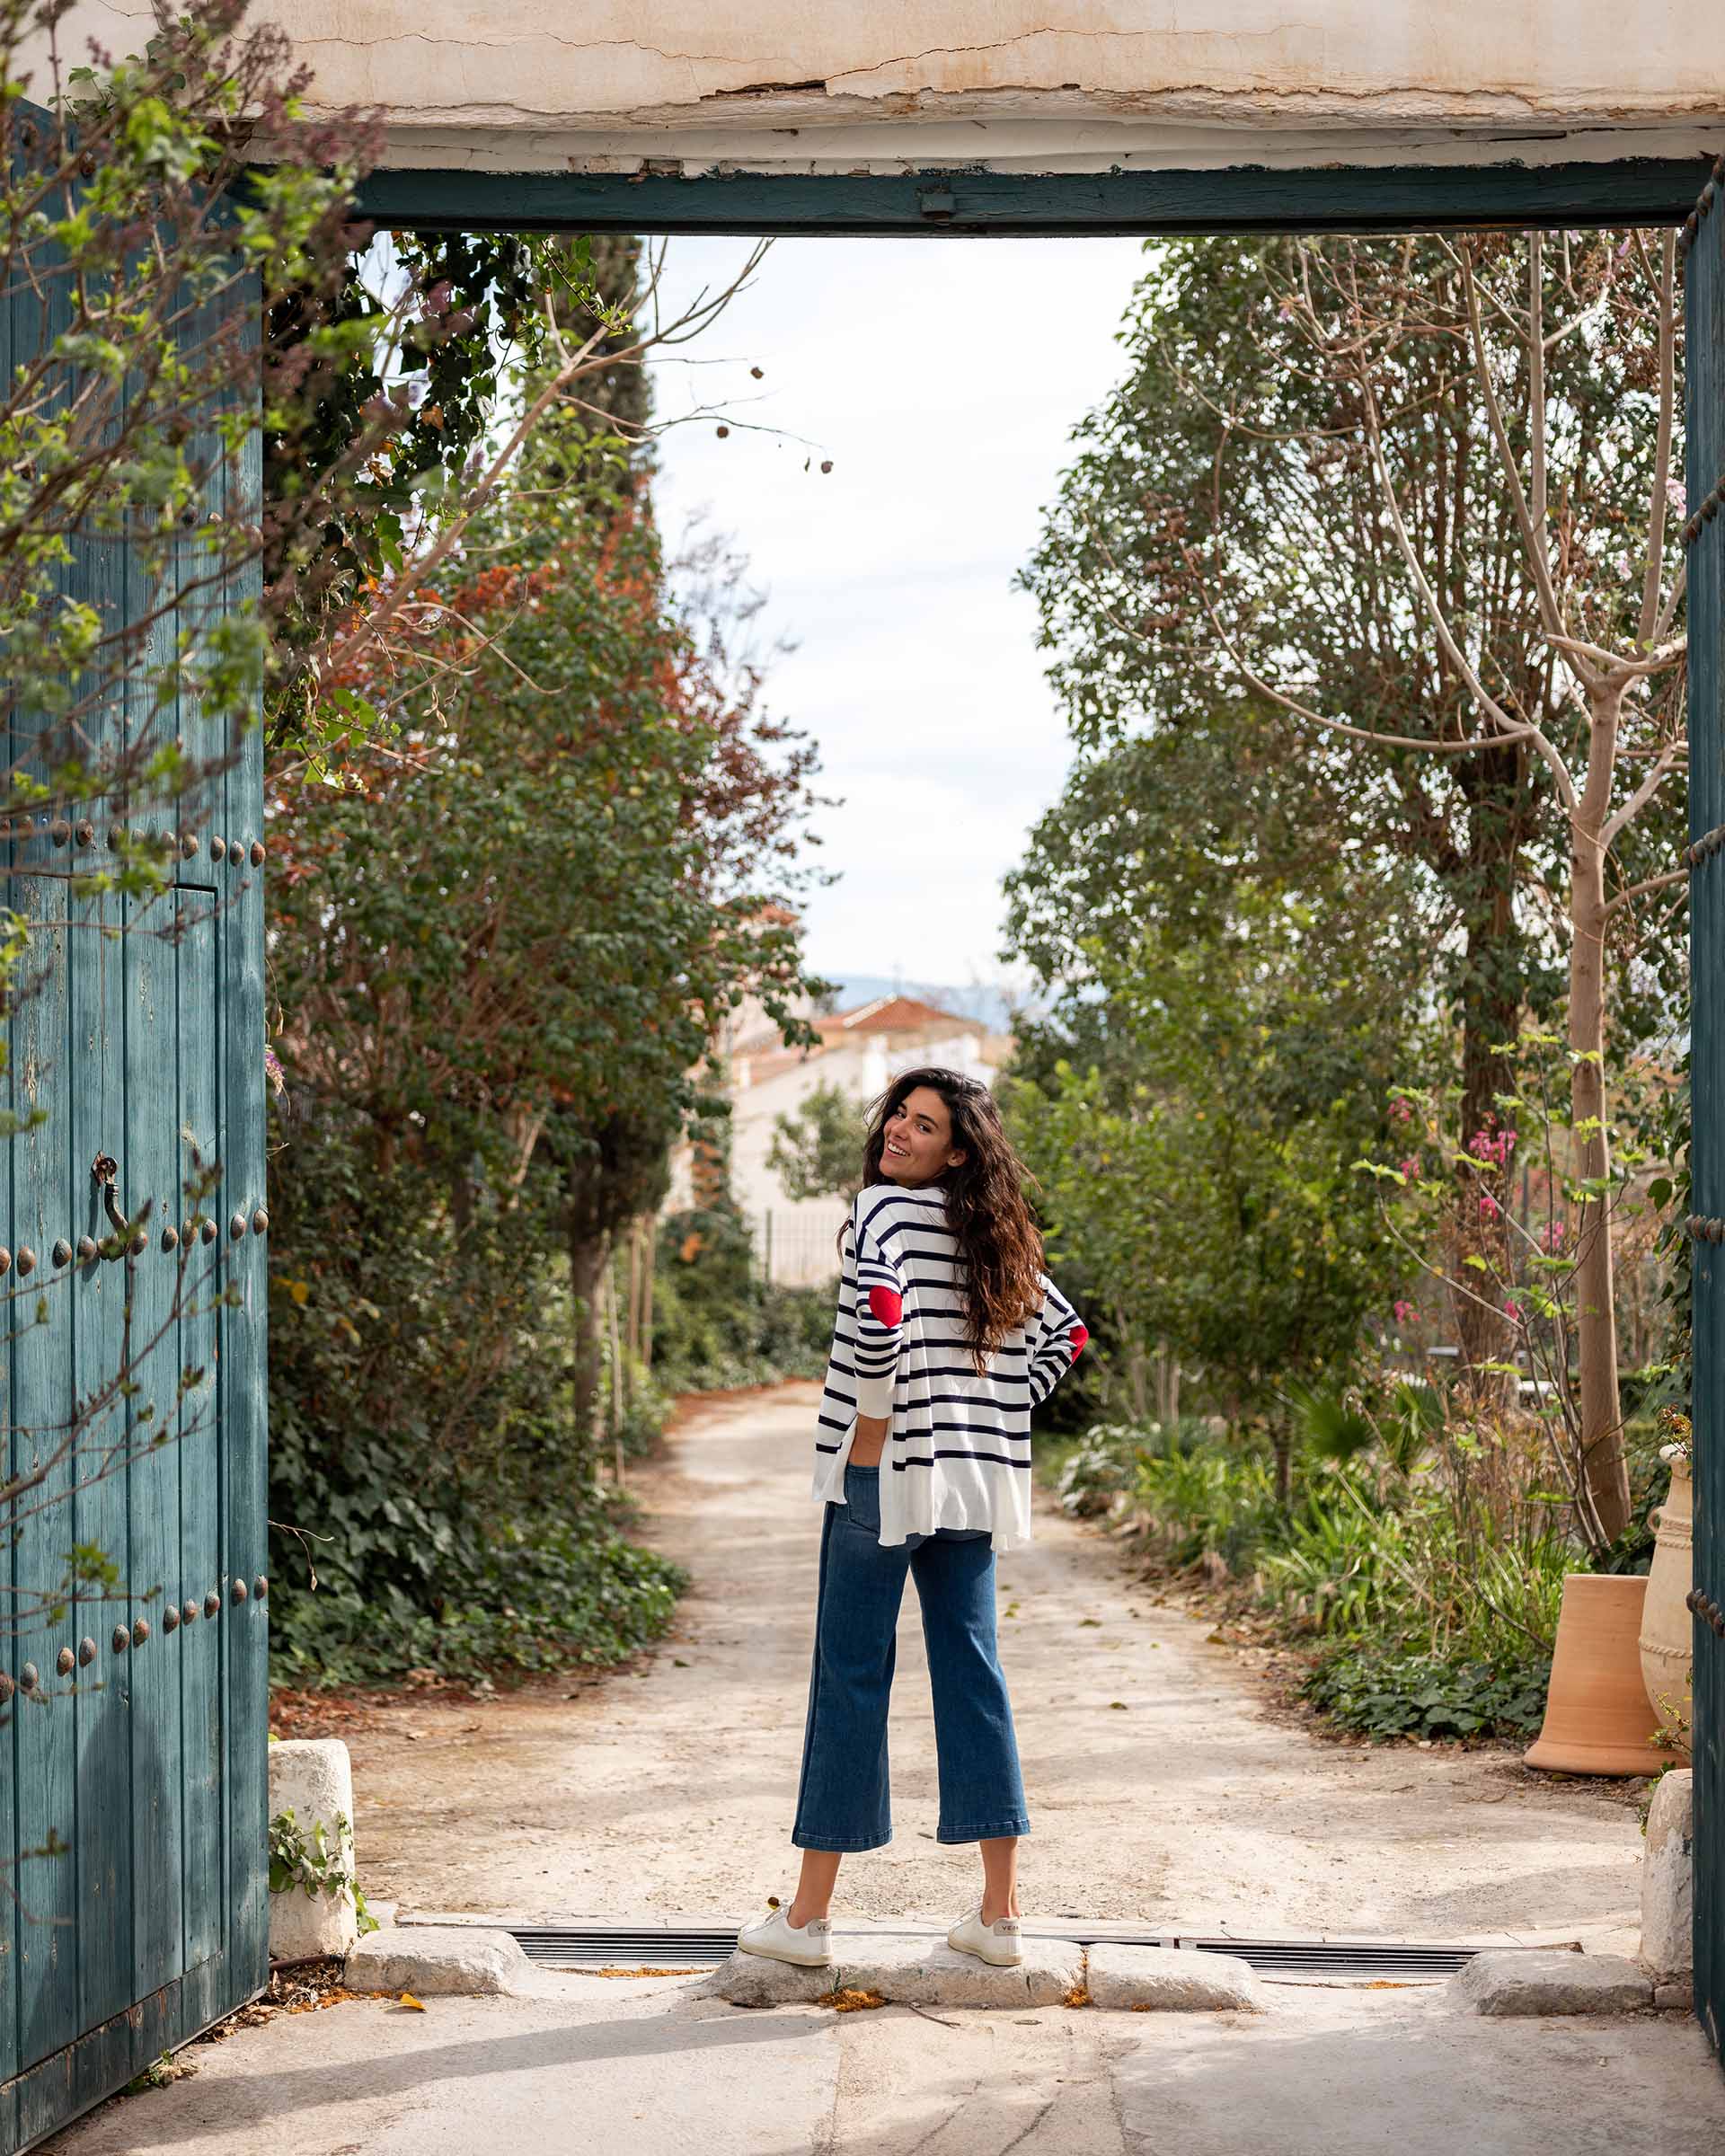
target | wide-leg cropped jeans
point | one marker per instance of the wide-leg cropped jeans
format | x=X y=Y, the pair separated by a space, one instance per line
x=843 y=1799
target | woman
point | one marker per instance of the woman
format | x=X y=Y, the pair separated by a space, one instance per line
x=948 y=1334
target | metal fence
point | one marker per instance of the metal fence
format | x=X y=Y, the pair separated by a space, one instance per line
x=796 y=1250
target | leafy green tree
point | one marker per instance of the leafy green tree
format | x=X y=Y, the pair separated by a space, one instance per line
x=1344 y=481
x=144 y=261
x=817 y=1149
x=1222 y=1030
x=501 y=951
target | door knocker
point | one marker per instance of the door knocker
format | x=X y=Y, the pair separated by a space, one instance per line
x=105 y=1171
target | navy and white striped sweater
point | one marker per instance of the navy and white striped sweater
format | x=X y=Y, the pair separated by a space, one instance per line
x=958 y=1449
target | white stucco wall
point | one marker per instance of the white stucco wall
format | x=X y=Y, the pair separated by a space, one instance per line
x=800 y=1233
x=816 y=85
x=862 y=1069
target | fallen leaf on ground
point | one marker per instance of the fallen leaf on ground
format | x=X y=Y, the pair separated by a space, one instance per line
x=850 y=2000
x=418 y=2005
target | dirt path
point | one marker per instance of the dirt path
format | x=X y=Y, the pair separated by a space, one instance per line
x=1164 y=1789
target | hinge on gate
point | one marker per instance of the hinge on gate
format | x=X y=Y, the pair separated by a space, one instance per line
x=1709 y=508
x=1705 y=202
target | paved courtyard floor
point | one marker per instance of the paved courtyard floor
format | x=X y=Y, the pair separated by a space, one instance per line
x=1165 y=1788
x=643 y=2068
x=1167 y=1791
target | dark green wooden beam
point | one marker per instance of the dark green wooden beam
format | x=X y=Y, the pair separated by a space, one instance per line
x=1241 y=198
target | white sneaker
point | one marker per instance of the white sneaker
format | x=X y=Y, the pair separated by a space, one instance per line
x=996 y=1942
x=775 y=1935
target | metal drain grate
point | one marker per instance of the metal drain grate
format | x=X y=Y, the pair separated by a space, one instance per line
x=705 y=1946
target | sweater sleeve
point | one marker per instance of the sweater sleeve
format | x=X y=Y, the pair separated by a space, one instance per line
x=1058 y=1340
x=877 y=1316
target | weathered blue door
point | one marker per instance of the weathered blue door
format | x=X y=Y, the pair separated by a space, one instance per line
x=1704 y=535
x=132 y=1542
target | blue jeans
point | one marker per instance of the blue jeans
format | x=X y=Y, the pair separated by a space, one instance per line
x=843 y=1799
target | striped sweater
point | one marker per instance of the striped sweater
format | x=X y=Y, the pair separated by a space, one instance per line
x=958 y=1449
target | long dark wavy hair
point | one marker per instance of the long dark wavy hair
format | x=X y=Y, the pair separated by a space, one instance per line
x=986 y=1208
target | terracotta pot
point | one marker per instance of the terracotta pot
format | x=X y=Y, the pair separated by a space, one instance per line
x=1598 y=1717
x=1668 y=1630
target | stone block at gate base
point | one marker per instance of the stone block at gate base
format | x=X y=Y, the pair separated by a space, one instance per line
x=1172 y=1980
x=752 y=1980
x=432 y=1960
x=1532 y=1981
x=312 y=1778
x=907 y=1968
x=1669 y=1876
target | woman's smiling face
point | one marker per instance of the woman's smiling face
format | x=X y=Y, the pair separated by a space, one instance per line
x=916 y=1145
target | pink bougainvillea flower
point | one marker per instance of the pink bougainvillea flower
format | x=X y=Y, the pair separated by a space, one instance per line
x=1399 y=1112
x=1411 y=1169
x=1512 y=1310
x=1488 y=1207
x=1554 y=1236
x=1405 y=1313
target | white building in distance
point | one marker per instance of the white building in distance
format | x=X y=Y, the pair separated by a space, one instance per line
x=861 y=1051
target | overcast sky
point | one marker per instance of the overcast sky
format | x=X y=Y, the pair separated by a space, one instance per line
x=943 y=379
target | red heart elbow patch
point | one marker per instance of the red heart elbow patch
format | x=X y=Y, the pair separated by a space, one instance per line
x=886 y=1307
x=1078 y=1336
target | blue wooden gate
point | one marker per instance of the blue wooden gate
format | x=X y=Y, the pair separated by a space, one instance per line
x=1703 y=239
x=133 y=1713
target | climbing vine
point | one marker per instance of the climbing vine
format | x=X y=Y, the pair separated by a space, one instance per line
x=316 y=1864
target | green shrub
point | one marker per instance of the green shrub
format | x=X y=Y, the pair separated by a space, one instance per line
x=1341 y=1567
x=1103 y=1463
x=717 y=1325
x=1212 y=1501
x=796 y=1327
x=1437 y=1588
x=1200 y=1496
x=1376 y=1688
x=532 y=1597
x=1355 y=1565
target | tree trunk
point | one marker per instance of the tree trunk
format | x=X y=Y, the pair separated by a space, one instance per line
x=632 y=1335
x=1167 y=1386
x=587 y=1259
x=1281 y=1440
x=648 y=1271
x=1492 y=1000
x=1135 y=1377
x=616 y=1388
x=1604 y=1466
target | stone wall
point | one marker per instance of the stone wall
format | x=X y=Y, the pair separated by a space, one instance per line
x=821 y=86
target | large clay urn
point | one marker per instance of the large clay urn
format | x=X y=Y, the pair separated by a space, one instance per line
x=1598 y=1717
x=1668 y=1641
